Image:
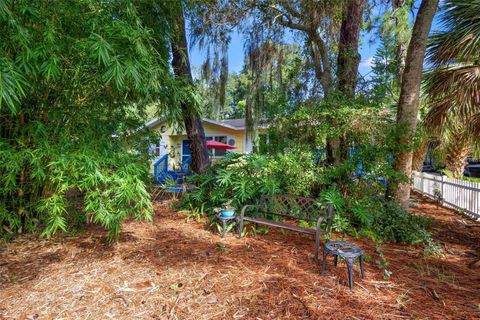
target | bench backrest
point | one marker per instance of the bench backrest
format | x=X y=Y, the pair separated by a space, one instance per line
x=299 y=208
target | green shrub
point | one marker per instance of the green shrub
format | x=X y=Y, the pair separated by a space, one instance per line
x=359 y=206
x=398 y=225
x=240 y=180
x=70 y=185
x=73 y=90
x=376 y=218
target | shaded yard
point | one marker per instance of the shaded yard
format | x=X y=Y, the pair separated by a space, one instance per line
x=173 y=269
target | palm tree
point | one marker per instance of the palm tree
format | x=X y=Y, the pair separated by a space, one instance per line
x=453 y=84
x=457 y=147
x=419 y=156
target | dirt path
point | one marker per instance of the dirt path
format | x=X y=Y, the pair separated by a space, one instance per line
x=173 y=269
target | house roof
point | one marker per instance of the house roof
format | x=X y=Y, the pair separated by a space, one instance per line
x=153 y=122
x=239 y=123
x=234 y=124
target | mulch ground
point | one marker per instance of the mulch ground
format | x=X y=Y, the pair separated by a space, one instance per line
x=173 y=269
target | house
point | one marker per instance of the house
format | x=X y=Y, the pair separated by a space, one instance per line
x=173 y=145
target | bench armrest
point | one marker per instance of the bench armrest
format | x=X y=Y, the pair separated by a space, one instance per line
x=245 y=208
x=240 y=219
x=330 y=214
x=319 y=222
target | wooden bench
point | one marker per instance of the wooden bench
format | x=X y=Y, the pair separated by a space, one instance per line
x=289 y=207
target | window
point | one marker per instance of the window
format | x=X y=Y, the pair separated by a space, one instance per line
x=156 y=149
x=217 y=152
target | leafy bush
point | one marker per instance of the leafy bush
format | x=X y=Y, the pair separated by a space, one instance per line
x=70 y=84
x=359 y=204
x=398 y=225
x=243 y=179
x=376 y=218
x=70 y=185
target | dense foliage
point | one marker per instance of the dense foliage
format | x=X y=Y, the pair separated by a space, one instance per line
x=360 y=207
x=239 y=180
x=377 y=218
x=74 y=77
x=326 y=139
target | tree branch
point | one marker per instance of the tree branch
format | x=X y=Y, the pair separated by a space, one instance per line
x=315 y=41
x=286 y=20
x=320 y=62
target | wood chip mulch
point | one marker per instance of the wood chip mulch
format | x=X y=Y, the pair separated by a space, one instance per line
x=173 y=269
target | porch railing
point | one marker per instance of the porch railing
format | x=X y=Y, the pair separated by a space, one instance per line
x=160 y=170
x=161 y=174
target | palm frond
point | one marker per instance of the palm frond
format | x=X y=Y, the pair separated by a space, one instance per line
x=474 y=125
x=459 y=39
x=452 y=90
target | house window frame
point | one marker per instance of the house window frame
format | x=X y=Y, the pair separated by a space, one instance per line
x=212 y=155
x=157 y=147
x=213 y=136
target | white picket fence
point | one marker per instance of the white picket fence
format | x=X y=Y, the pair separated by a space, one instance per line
x=457 y=194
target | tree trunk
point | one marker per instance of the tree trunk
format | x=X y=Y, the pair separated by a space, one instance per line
x=249 y=125
x=347 y=69
x=419 y=157
x=409 y=98
x=457 y=150
x=401 y=46
x=191 y=118
x=348 y=56
x=333 y=150
x=321 y=63
x=306 y=24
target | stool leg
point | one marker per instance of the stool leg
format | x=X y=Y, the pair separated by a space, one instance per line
x=335 y=260
x=324 y=261
x=224 y=227
x=350 y=275
x=361 y=266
